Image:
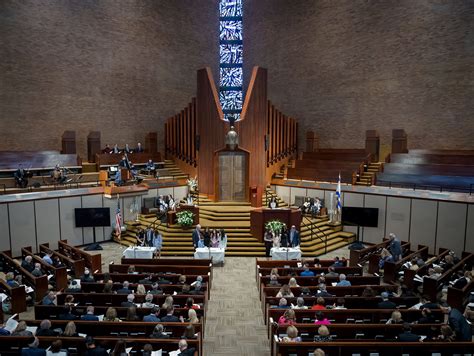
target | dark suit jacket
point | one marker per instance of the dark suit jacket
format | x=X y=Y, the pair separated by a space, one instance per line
x=295 y=241
x=187 y=352
x=127 y=304
x=460 y=283
x=195 y=238
x=124 y=291
x=26 y=351
x=386 y=304
x=169 y=319
x=90 y=317
x=29 y=267
x=458 y=322
x=408 y=336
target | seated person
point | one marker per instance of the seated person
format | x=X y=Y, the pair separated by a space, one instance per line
x=90 y=316
x=323 y=334
x=21 y=178
x=338 y=262
x=169 y=317
x=28 y=264
x=184 y=350
x=33 y=349
x=107 y=149
x=48 y=258
x=150 y=167
x=385 y=303
x=343 y=282
x=395 y=318
x=292 y=335
x=87 y=277
x=407 y=335
x=306 y=271
x=129 y=302
x=158 y=332
x=45 y=329
x=321 y=319
x=288 y=318
x=139 y=148
x=320 y=304
x=49 y=299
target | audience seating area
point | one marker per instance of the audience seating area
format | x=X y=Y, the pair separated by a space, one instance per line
x=359 y=322
x=442 y=170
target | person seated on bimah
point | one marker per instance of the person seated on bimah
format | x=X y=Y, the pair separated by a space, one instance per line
x=126 y=163
x=127 y=149
x=189 y=199
x=139 y=148
x=59 y=175
x=273 y=204
x=107 y=149
x=21 y=177
x=160 y=203
x=150 y=167
x=170 y=202
x=116 y=149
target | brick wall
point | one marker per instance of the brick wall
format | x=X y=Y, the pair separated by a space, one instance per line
x=116 y=66
x=346 y=66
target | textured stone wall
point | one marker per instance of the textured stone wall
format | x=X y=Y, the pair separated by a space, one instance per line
x=116 y=66
x=345 y=66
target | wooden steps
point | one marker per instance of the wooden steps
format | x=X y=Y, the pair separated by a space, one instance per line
x=367 y=177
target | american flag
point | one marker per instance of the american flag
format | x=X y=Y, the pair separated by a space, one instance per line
x=118 y=220
x=338 y=193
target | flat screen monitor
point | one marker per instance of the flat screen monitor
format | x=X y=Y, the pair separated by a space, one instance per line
x=368 y=217
x=92 y=217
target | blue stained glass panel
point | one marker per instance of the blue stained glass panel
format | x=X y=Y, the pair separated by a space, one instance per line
x=236 y=117
x=230 y=8
x=231 y=53
x=231 y=100
x=231 y=77
x=230 y=31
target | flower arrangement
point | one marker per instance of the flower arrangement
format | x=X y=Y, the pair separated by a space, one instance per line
x=185 y=218
x=192 y=184
x=275 y=226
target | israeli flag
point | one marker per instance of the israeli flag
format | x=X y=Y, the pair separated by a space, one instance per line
x=338 y=193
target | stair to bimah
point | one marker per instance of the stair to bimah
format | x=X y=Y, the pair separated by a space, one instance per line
x=172 y=171
x=283 y=170
x=367 y=177
x=318 y=236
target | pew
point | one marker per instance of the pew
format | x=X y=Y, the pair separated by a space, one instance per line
x=92 y=261
x=39 y=284
x=17 y=296
x=76 y=266
x=457 y=297
x=356 y=166
x=194 y=270
x=269 y=264
x=430 y=169
x=374 y=258
x=339 y=155
x=113 y=159
x=431 y=182
x=431 y=286
x=135 y=277
x=60 y=273
x=324 y=175
x=391 y=268
x=431 y=159
x=11 y=345
x=409 y=275
x=167 y=261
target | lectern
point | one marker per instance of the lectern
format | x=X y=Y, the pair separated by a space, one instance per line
x=259 y=217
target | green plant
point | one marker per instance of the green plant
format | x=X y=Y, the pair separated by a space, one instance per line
x=185 y=218
x=275 y=226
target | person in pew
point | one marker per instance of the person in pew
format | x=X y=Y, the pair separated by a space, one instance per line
x=87 y=276
x=446 y=335
x=140 y=289
x=463 y=281
x=447 y=263
x=292 y=334
x=37 y=271
x=120 y=349
x=153 y=316
x=319 y=352
x=273 y=281
x=192 y=317
x=92 y=349
x=20 y=330
x=385 y=256
x=457 y=321
x=116 y=149
x=288 y=318
x=321 y=319
x=293 y=283
x=395 y=318
x=427 y=303
x=283 y=304
x=322 y=292
x=70 y=330
x=48 y=258
x=158 y=332
x=197 y=289
x=306 y=271
x=33 y=349
x=368 y=292
x=10 y=279
x=395 y=247
x=168 y=302
x=124 y=289
x=69 y=300
x=285 y=292
x=155 y=289
x=146 y=280
x=67 y=314
x=319 y=304
x=49 y=298
x=323 y=334
x=129 y=302
x=170 y=317
x=185 y=288
x=339 y=262
x=340 y=304
x=109 y=288
x=28 y=264
x=386 y=303
x=299 y=304
x=90 y=316
x=45 y=329
x=73 y=287
x=426 y=317
x=332 y=272
x=190 y=304
x=189 y=333
x=148 y=301
x=343 y=282
x=184 y=350
x=132 y=314
x=111 y=315
x=407 y=335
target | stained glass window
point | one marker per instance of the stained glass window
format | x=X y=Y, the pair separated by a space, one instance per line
x=230 y=58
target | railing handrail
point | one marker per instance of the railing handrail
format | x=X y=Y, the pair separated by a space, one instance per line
x=311 y=224
x=406 y=185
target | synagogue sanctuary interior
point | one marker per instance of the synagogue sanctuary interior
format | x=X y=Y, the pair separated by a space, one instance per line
x=237 y=177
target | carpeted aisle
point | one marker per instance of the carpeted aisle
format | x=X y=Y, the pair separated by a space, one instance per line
x=234 y=320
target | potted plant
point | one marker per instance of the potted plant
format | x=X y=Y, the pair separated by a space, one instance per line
x=275 y=226
x=185 y=218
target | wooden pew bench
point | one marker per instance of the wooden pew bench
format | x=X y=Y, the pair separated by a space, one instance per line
x=17 y=296
x=60 y=273
x=92 y=261
x=391 y=269
x=76 y=266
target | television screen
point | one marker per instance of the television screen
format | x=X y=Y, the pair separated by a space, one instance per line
x=92 y=217
x=368 y=217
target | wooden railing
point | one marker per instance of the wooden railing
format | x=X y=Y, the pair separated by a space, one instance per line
x=180 y=136
x=282 y=134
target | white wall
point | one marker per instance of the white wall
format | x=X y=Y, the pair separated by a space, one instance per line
x=47 y=222
x=451 y=226
x=423 y=222
x=22 y=226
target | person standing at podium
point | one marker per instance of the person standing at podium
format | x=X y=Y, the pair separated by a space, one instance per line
x=273 y=203
x=268 y=239
x=294 y=237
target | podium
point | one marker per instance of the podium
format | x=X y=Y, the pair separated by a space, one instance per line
x=192 y=208
x=259 y=217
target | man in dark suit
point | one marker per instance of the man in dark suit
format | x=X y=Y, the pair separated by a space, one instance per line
x=407 y=335
x=129 y=302
x=294 y=236
x=124 y=289
x=139 y=148
x=67 y=314
x=169 y=317
x=27 y=264
x=196 y=235
x=92 y=349
x=385 y=303
x=395 y=247
x=183 y=349
x=459 y=324
x=89 y=316
x=33 y=349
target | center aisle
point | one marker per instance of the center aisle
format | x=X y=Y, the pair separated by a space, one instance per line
x=234 y=319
